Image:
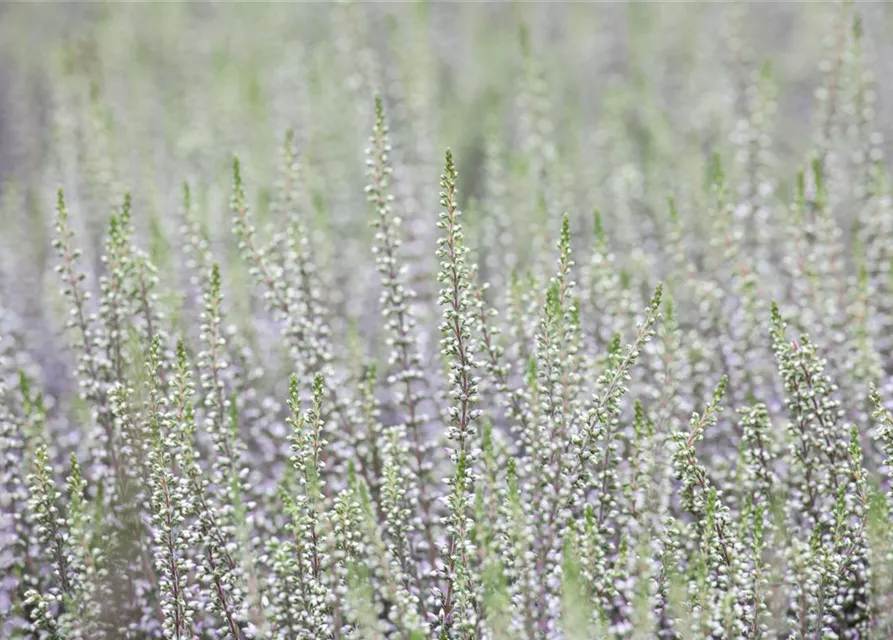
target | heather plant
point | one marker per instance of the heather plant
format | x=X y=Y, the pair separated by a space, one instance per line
x=472 y=321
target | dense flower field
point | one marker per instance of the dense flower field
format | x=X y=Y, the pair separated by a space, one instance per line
x=453 y=321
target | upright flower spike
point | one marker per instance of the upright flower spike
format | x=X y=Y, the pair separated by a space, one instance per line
x=169 y=510
x=197 y=248
x=53 y=526
x=148 y=322
x=759 y=454
x=93 y=369
x=206 y=530
x=67 y=609
x=516 y=538
x=211 y=364
x=605 y=405
x=557 y=359
x=128 y=305
x=690 y=473
x=405 y=365
x=457 y=616
x=381 y=571
x=89 y=560
x=370 y=447
x=734 y=272
x=723 y=574
x=819 y=441
x=306 y=510
x=116 y=302
x=570 y=333
x=522 y=314
x=398 y=516
x=669 y=376
x=227 y=472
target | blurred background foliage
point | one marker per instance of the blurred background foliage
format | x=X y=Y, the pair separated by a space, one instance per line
x=558 y=106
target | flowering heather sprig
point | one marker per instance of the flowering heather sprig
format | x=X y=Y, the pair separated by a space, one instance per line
x=487 y=496
x=217 y=403
x=759 y=454
x=701 y=350
x=721 y=572
x=93 y=368
x=382 y=566
x=307 y=440
x=570 y=334
x=405 y=375
x=547 y=457
x=734 y=267
x=62 y=618
x=170 y=508
x=244 y=370
x=115 y=302
x=692 y=475
x=205 y=528
x=395 y=506
x=228 y=474
x=635 y=488
x=89 y=557
x=130 y=548
x=458 y=607
x=344 y=546
x=517 y=562
x=818 y=441
x=371 y=445
x=559 y=378
x=305 y=510
x=669 y=370
x=605 y=405
x=202 y=524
